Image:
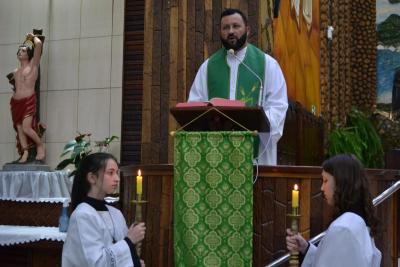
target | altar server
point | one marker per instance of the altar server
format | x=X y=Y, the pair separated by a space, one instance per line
x=349 y=238
x=98 y=235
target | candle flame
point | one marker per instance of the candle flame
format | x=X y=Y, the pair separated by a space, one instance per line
x=296 y=187
x=139 y=173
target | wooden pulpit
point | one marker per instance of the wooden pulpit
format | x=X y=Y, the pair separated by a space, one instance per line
x=213 y=169
x=220 y=118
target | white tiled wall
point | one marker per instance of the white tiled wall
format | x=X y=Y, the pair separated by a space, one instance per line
x=65 y=19
x=33 y=14
x=8 y=63
x=62 y=121
x=97 y=19
x=94 y=108
x=10 y=14
x=7 y=134
x=81 y=69
x=95 y=62
x=64 y=62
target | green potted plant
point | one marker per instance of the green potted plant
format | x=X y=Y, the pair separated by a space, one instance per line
x=79 y=148
x=358 y=137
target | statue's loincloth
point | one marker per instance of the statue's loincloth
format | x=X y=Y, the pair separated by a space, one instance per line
x=21 y=109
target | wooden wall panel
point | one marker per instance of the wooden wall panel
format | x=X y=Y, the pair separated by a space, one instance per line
x=303 y=138
x=325 y=63
x=348 y=71
x=162 y=127
x=341 y=75
x=132 y=85
x=173 y=67
x=272 y=196
x=191 y=48
x=199 y=33
x=216 y=13
x=363 y=53
x=182 y=85
x=42 y=253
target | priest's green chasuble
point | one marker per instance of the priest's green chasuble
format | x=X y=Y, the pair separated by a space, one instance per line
x=213 y=199
x=247 y=84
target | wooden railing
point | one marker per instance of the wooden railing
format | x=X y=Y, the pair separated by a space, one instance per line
x=271 y=204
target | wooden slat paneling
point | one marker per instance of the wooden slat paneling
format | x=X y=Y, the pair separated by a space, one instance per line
x=163 y=114
x=42 y=253
x=173 y=73
x=132 y=84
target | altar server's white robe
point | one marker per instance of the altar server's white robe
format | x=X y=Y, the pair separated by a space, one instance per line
x=347 y=243
x=275 y=102
x=89 y=241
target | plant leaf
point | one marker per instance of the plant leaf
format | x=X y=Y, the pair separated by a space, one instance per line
x=70 y=144
x=63 y=164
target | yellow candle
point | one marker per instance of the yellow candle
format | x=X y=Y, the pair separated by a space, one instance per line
x=295 y=196
x=139 y=180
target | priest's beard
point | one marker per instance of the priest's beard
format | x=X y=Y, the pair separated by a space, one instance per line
x=238 y=45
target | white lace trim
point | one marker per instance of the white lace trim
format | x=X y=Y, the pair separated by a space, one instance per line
x=11 y=234
x=38 y=200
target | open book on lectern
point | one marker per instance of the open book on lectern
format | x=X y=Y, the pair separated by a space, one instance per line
x=220 y=114
x=213 y=102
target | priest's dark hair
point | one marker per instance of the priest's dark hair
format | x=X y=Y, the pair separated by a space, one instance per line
x=93 y=163
x=352 y=188
x=232 y=11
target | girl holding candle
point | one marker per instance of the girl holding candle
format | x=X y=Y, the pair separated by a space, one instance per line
x=349 y=238
x=97 y=234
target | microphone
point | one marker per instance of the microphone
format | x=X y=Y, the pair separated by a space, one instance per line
x=260 y=97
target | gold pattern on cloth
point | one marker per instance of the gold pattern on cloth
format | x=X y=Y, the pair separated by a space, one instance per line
x=213 y=199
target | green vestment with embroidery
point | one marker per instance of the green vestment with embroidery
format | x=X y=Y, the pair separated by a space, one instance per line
x=247 y=84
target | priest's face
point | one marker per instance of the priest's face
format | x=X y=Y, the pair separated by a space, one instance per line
x=328 y=187
x=234 y=32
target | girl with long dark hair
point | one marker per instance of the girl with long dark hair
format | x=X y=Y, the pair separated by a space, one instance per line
x=98 y=234
x=349 y=238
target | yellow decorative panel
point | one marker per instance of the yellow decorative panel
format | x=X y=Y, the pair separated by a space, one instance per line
x=297 y=49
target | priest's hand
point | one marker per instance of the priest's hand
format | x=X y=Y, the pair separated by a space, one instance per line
x=295 y=242
x=136 y=232
x=142 y=263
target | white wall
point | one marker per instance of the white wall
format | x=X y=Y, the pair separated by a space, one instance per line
x=81 y=69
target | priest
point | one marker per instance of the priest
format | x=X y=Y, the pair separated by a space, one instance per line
x=243 y=72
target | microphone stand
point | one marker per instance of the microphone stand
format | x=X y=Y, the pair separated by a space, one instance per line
x=260 y=96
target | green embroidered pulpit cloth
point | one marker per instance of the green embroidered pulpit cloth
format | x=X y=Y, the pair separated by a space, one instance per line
x=213 y=199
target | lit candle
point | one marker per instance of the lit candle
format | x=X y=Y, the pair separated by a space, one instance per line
x=139 y=180
x=295 y=196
